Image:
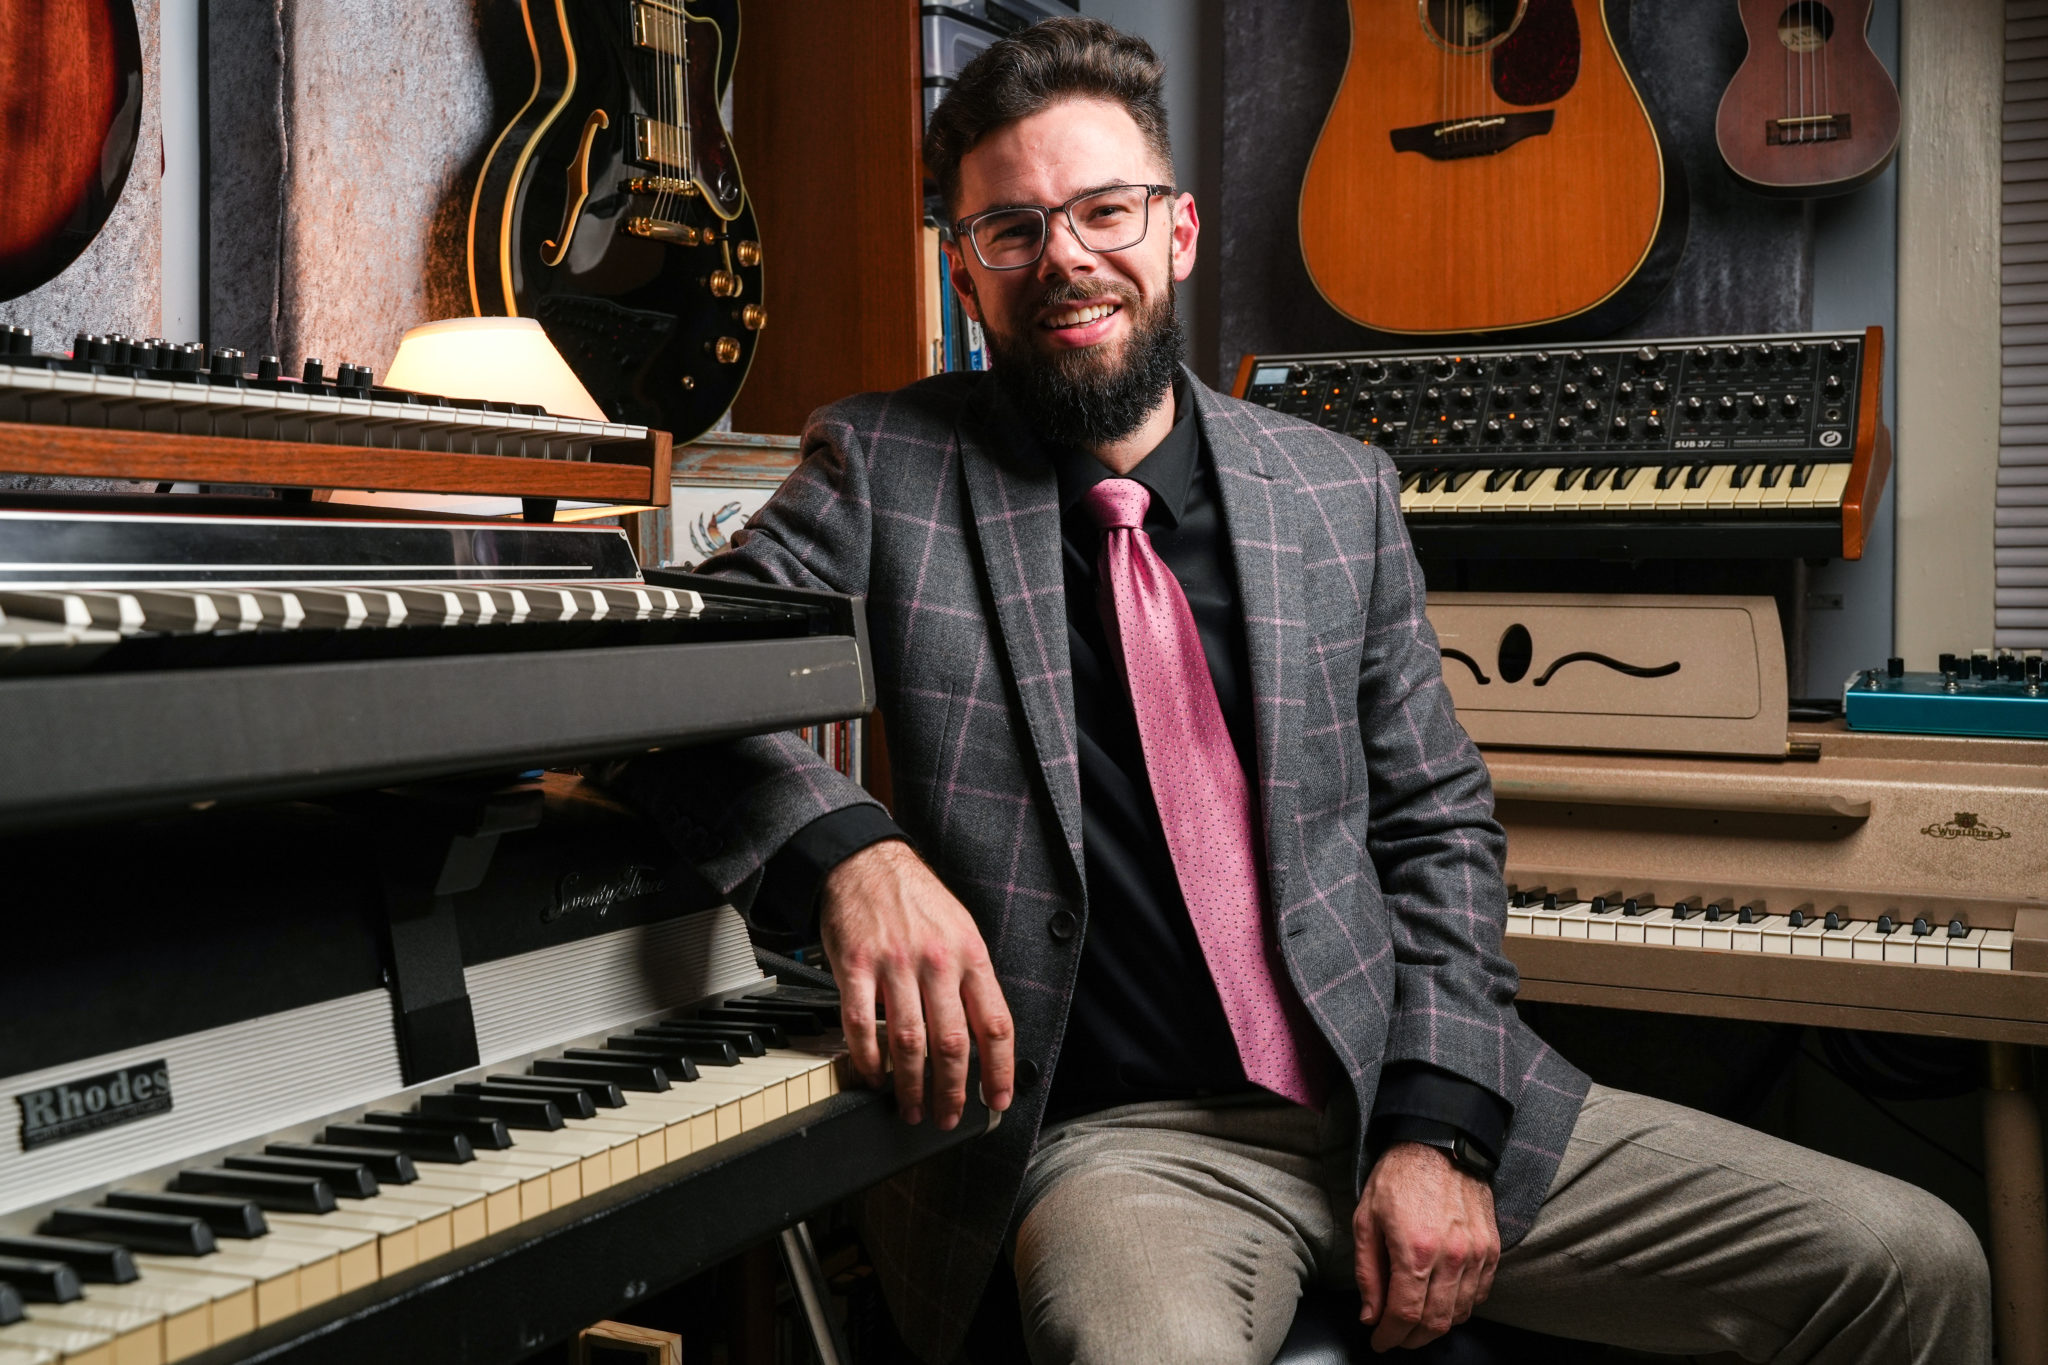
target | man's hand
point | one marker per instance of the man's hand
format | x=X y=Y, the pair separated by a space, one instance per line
x=1425 y=1246
x=893 y=931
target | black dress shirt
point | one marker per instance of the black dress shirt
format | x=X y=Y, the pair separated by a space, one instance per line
x=1146 y=1022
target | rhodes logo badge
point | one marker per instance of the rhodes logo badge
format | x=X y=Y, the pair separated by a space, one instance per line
x=74 y=1108
x=1966 y=825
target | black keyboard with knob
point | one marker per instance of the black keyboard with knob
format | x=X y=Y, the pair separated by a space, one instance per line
x=1700 y=447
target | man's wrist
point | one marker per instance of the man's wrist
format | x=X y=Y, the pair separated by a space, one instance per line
x=1461 y=1149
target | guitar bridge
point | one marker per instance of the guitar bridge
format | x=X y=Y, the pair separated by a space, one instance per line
x=661 y=230
x=1458 y=138
x=1781 y=132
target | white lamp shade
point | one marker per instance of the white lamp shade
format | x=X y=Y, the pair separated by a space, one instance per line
x=504 y=360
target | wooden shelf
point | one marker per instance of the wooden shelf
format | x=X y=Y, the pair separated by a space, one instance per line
x=82 y=452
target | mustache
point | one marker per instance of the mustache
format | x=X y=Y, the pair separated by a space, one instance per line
x=1075 y=291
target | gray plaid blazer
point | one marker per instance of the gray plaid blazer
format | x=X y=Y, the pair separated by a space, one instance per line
x=1382 y=855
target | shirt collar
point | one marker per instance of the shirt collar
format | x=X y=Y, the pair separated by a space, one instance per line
x=1167 y=470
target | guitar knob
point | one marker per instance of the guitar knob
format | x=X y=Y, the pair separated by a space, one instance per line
x=747 y=253
x=1724 y=406
x=1493 y=430
x=726 y=350
x=723 y=284
x=753 y=317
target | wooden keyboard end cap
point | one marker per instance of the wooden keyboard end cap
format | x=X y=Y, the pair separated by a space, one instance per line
x=613 y=1343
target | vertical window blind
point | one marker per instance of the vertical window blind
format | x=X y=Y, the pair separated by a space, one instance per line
x=2021 y=543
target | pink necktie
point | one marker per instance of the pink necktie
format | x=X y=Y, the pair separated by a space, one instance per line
x=1203 y=799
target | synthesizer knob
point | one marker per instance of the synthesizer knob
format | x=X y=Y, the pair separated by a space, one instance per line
x=1724 y=406
x=1647 y=359
x=1731 y=357
x=1441 y=367
x=1534 y=393
x=1404 y=370
x=1471 y=368
x=1625 y=392
x=227 y=364
x=1566 y=428
x=1589 y=406
x=1568 y=392
x=1837 y=352
x=1296 y=373
x=1466 y=398
x=1433 y=398
x=1695 y=405
x=1619 y=427
x=312 y=372
x=1758 y=405
x=1375 y=371
x=1493 y=430
x=1833 y=386
x=268 y=367
x=1702 y=357
x=1659 y=391
x=1895 y=667
x=1575 y=360
x=1597 y=373
x=1526 y=429
x=1790 y=404
x=1795 y=353
x=1947 y=665
x=1366 y=403
x=1653 y=425
x=1509 y=365
x=1539 y=361
x=1461 y=431
x=1762 y=353
x=81 y=346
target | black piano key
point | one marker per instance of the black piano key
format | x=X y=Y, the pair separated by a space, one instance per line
x=795 y=1018
x=514 y=1111
x=750 y=1040
x=680 y=1070
x=602 y=1093
x=745 y=1041
x=704 y=1051
x=95 y=1262
x=625 y=1075
x=420 y=1146
x=348 y=1179
x=277 y=1193
x=570 y=1103
x=40 y=1281
x=167 y=1234
x=484 y=1134
x=392 y=1168
x=10 y=1304
x=228 y=1215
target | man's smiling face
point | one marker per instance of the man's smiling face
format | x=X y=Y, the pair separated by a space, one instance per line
x=1086 y=341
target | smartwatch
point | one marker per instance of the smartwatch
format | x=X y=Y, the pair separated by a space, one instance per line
x=1465 y=1154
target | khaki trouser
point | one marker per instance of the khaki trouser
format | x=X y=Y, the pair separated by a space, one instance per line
x=1182 y=1232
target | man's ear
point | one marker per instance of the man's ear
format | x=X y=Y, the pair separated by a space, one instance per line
x=963 y=283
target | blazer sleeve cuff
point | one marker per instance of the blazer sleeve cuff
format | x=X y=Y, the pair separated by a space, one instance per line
x=787 y=901
x=1415 y=1095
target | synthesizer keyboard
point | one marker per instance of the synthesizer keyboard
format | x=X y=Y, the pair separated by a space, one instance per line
x=123 y=384
x=1695 y=447
x=249 y=1166
x=203 y=657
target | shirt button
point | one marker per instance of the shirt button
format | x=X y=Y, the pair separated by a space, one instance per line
x=1062 y=925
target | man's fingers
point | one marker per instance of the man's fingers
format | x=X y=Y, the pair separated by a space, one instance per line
x=857 y=1017
x=949 y=1042
x=1407 y=1295
x=1368 y=1260
x=906 y=1042
x=988 y=1015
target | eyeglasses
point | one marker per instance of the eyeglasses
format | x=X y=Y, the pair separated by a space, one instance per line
x=1110 y=219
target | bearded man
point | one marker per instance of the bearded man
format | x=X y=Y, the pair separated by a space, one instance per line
x=1189 y=844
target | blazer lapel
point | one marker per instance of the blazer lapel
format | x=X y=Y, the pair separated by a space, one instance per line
x=1261 y=512
x=1015 y=504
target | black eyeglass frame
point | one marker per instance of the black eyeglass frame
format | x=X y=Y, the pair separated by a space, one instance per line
x=962 y=229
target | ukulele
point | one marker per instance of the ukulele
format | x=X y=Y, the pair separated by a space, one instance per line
x=611 y=209
x=1489 y=166
x=1811 y=110
x=71 y=105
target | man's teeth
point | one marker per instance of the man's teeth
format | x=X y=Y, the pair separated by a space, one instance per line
x=1074 y=317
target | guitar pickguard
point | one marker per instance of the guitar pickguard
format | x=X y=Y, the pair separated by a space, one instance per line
x=1539 y=61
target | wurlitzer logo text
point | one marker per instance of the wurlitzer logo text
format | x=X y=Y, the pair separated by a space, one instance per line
x=74 y=1108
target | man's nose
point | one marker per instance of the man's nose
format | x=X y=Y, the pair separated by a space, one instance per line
x=1064 y=254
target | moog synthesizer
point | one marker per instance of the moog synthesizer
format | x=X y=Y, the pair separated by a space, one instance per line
x=1764 y=446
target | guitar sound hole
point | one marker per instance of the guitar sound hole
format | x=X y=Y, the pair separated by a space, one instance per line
x=1471 y=25
x=1806 y=26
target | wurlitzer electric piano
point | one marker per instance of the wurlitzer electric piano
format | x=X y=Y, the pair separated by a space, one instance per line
x=343 y=1023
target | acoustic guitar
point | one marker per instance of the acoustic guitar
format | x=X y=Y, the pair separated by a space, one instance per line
x=1489 y=166
x=71 y=111
x=1811 y=110
x=611 y=209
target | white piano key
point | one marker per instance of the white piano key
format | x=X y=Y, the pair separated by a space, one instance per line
x=1806 y=939
x=1574 y=920
x=1776 y=495
x=1962 y=952
x=1834 y=483
x=1995 y=952
x=1519 y=917
x=1719 y=933
x=1604 y=927
x=1778 y=935
x=1655 y=927
x=1857 y=940
x=1721 y=490
x=184 y=1316
x=72 y=1345
x=137 y=1333
x=1749 y=938
x=1689 y=932
x=1899 y=945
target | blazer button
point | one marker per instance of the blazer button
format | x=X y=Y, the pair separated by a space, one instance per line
x=1027 y=1073
x=1062 y=925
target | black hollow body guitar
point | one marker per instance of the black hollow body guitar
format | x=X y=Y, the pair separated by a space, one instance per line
x=611 y=210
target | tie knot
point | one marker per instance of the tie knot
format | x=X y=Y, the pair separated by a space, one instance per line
x=1119 y=504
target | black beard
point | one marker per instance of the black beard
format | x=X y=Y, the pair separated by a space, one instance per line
x=1073 y=399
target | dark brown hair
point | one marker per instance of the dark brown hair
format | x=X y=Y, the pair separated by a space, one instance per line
x=1053 y=60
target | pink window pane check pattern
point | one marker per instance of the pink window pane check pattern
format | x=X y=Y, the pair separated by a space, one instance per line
x=1204 y=801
